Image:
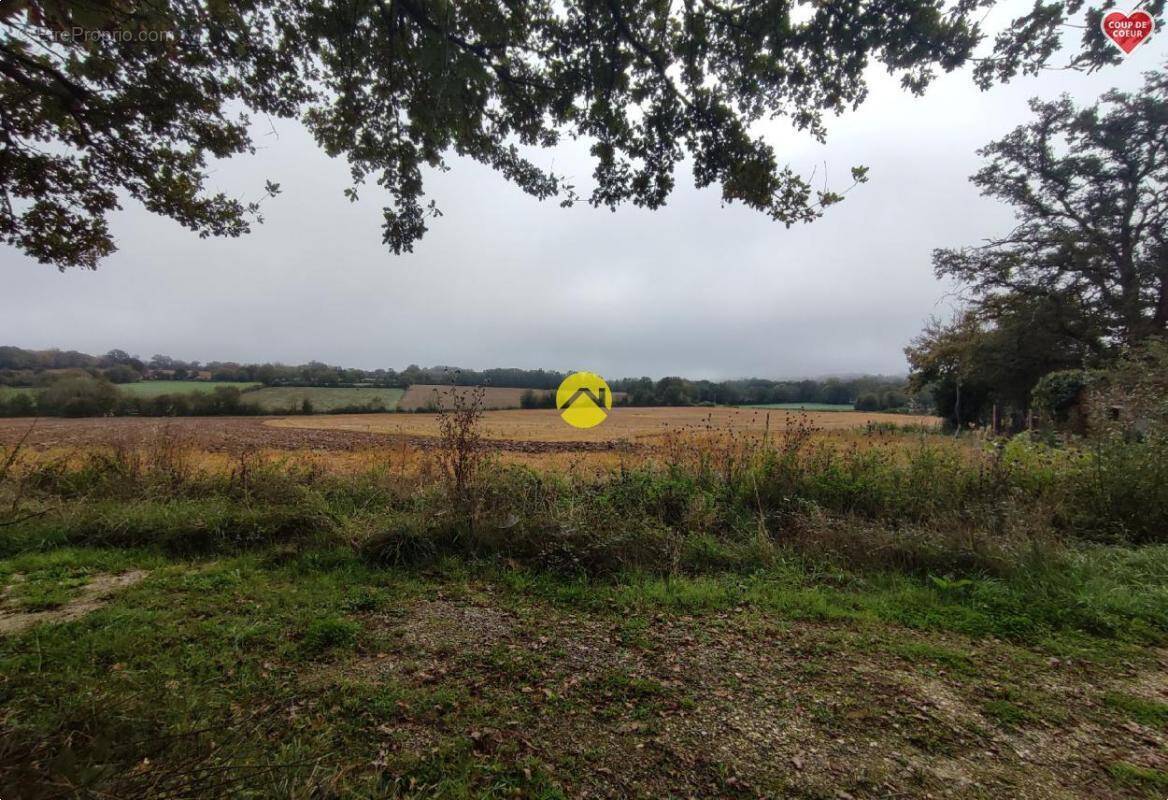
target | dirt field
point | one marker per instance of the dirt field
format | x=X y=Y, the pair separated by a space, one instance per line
x=527 y=431
x=627 y=424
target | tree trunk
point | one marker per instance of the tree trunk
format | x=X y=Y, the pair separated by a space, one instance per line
x=957 y=411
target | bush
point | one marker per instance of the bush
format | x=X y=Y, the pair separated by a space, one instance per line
x=220 y=401
x=867 y=402
x=533 y=399
x=1057 y=393
x=405 y=544
x=933 y=507
x=19 y=404
x=78 y=397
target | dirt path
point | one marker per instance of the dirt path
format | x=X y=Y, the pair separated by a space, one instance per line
x=741 y=705
x=91 y=597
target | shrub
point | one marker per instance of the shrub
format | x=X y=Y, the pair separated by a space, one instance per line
x=867 y=402
x=1117 y=491
x=78 y=397
x=533 y=399
x=405 y=544
x=932 y=507
x=19 y=404
x=1058 y=394
x=460 y=450
x=121 y=373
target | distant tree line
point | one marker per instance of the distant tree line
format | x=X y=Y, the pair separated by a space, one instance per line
x=20 y=367
x=874 y=392
x=86 y=396
x=77 y=384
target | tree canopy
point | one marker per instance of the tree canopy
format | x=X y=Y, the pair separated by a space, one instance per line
x=1090 y=190
x=109 y=99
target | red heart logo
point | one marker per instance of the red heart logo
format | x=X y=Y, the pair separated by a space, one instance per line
x=1128 y=31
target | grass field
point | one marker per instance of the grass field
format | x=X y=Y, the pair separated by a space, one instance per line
x=278 y=399
x=538 y=438
x=806 y=406
x=313 y=674
x=156 y=388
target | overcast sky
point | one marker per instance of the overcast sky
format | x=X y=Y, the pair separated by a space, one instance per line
x=695 y=289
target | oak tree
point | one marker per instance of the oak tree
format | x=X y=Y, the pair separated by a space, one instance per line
x=1090 y=191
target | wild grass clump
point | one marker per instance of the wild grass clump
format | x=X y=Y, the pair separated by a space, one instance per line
x=1117 y=490
x=329 y=633
x=407 y=543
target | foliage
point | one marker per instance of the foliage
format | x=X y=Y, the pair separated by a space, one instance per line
x=222 y=400
x=724 y=503
x=78 y=397
x=337 y=389
x=888 y=400
x=980 y=359
x=121 y=373
x=532 y=399
x=138 y=98
x=677 y=391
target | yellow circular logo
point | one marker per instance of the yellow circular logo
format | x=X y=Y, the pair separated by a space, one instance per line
x=584 y=399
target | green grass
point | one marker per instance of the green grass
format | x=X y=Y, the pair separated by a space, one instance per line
x=329 y=633
x=1146 y=712
x=806 y=406
x=304 y=672
x=1152 y=781
x=282 y=398
x=148 y=389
